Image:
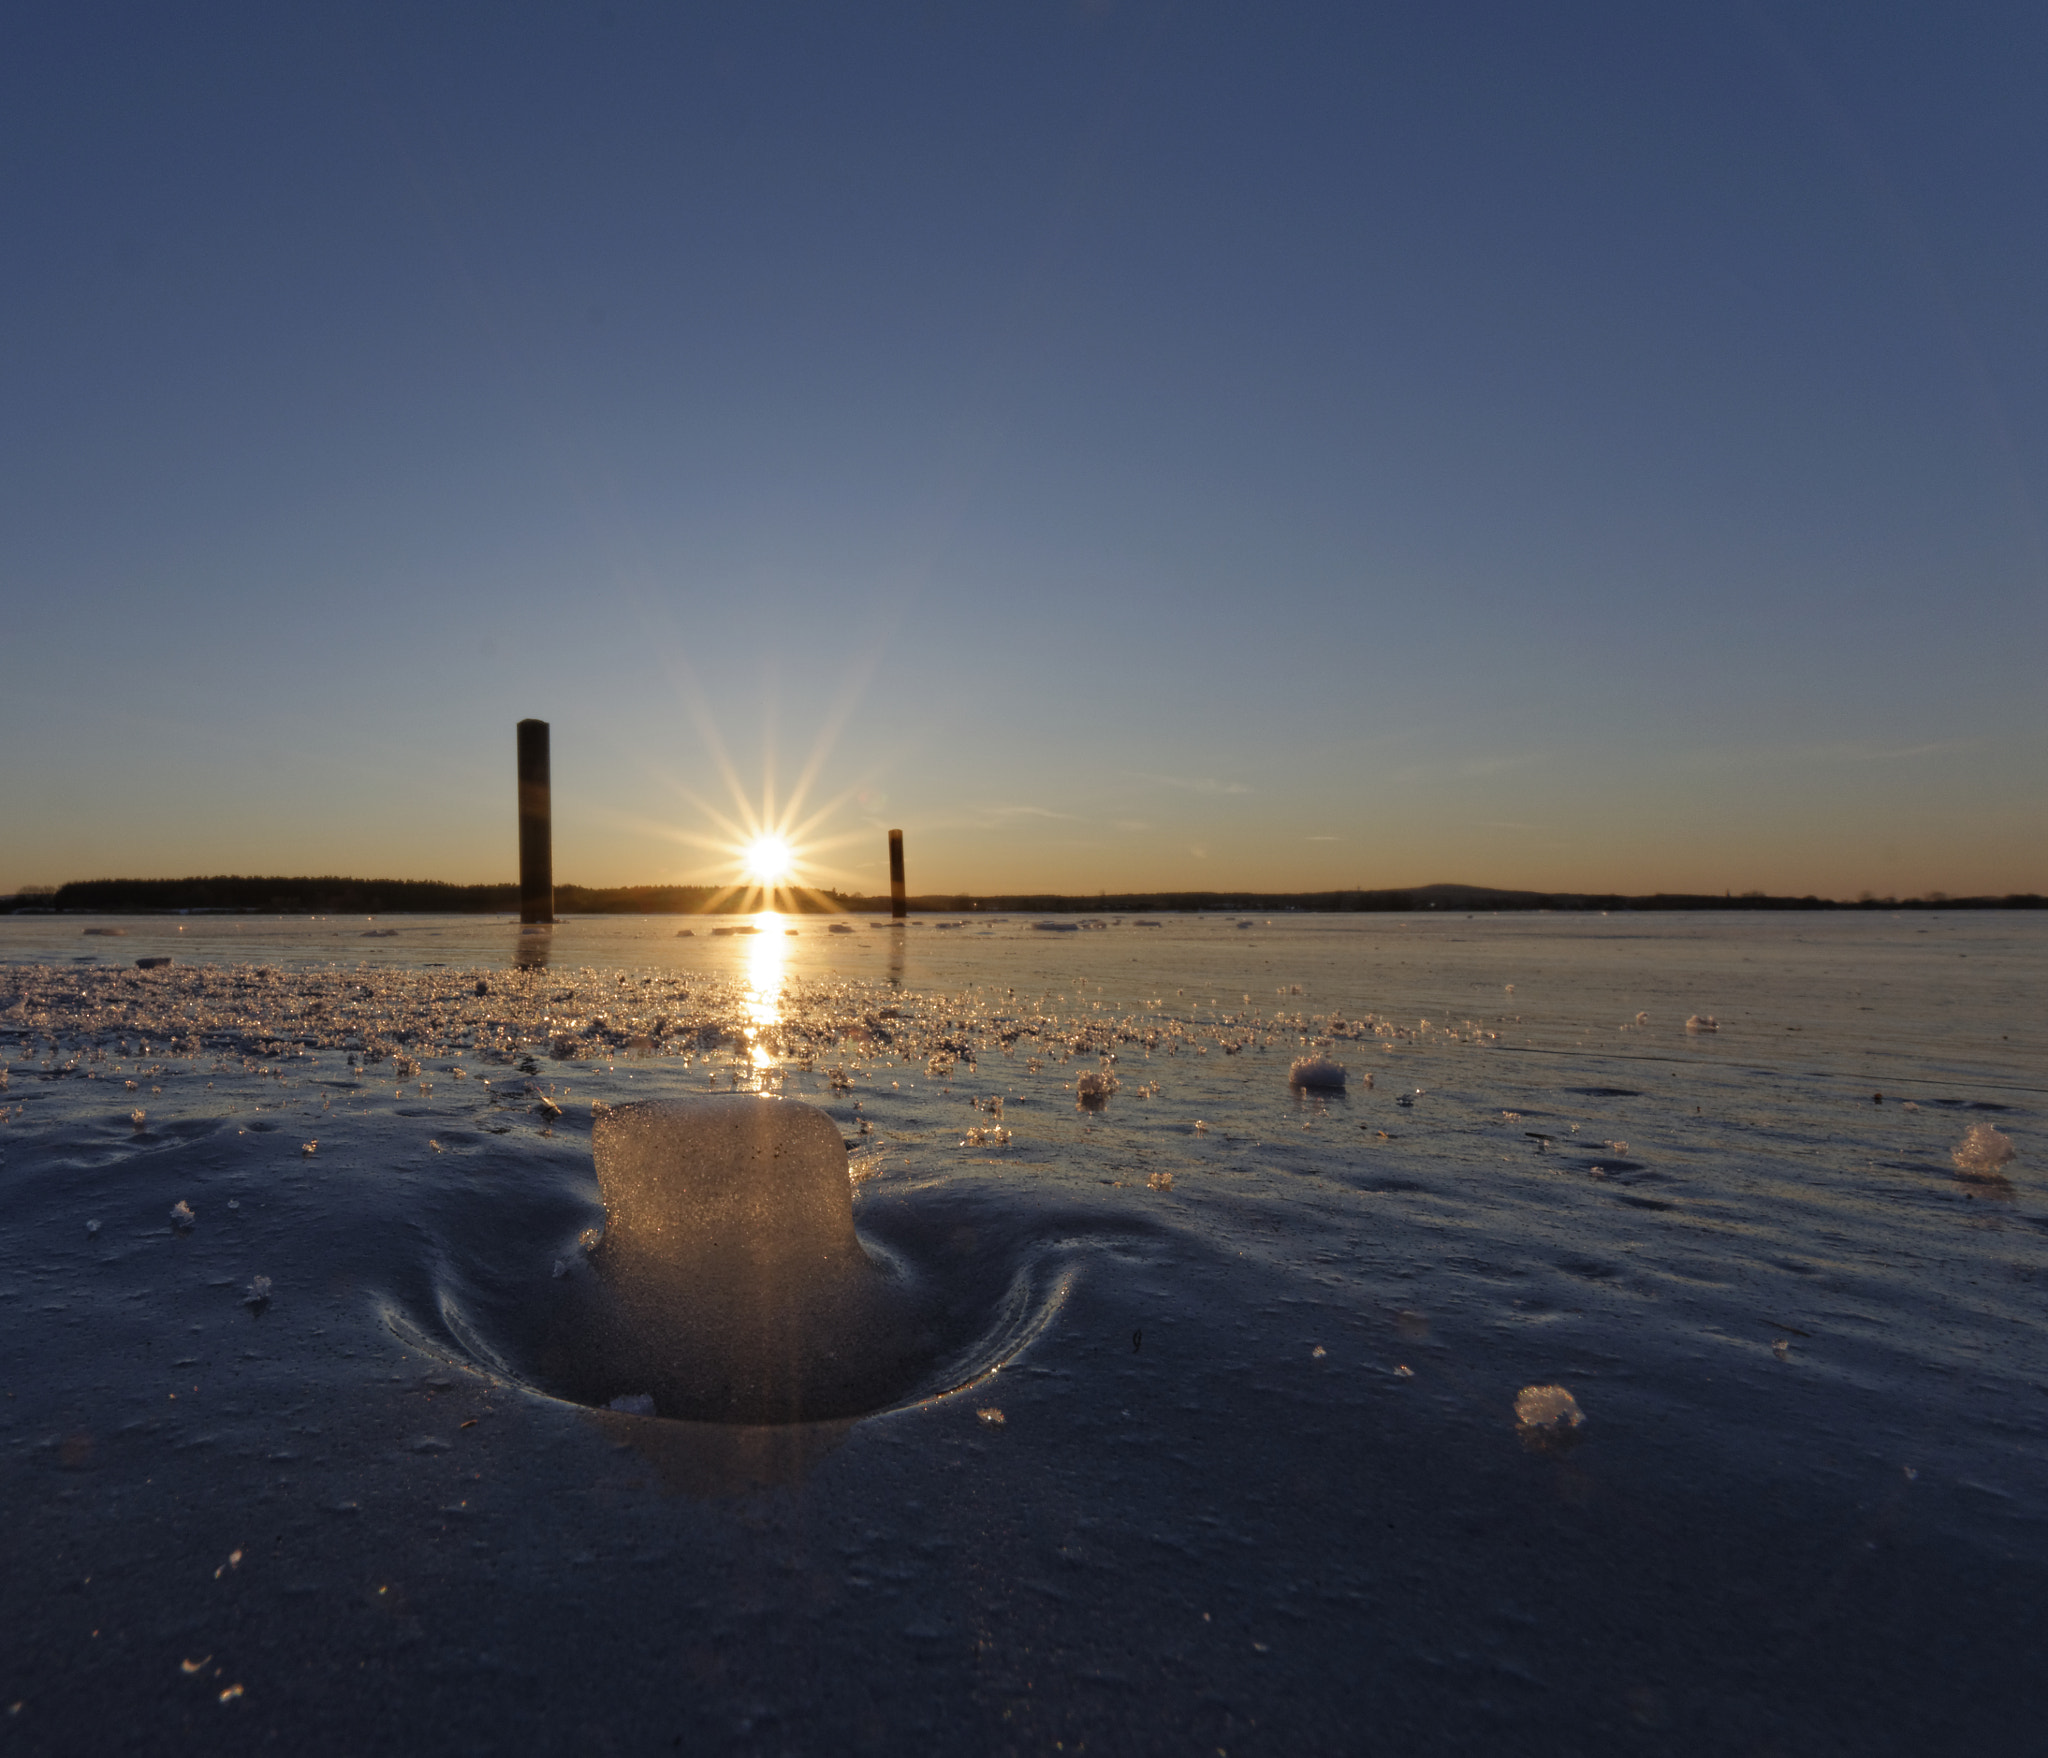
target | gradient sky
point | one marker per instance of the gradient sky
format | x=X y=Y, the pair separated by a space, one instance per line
x=1125 y=445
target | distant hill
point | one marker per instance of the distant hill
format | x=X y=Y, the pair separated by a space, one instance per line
x=373 y=897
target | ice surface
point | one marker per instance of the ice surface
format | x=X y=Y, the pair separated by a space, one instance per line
x=934 y=1580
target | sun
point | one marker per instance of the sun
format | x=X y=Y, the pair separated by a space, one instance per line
x=768 y=861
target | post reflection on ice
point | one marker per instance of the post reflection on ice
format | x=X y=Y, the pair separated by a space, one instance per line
x=530 y=949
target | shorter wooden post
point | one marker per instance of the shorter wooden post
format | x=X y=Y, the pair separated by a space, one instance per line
x=536 y=825
x=898 y=908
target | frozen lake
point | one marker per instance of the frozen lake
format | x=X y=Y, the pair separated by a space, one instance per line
x=1226 y=1456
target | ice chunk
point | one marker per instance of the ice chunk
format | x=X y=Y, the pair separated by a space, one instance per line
x=1317 y=1074
x=711 y=1183
x=182 y=1216
x=1703 y=1022
x=1547 y=1407
x=730 y=1283
x=1160 y=1181
x=1982 y=1151
x=258 y=1296
x=1092 y=1090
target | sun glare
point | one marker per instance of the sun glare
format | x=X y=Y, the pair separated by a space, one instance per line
x=769 y=861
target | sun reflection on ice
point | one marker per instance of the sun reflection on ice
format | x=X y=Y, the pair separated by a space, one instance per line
x=767 y=952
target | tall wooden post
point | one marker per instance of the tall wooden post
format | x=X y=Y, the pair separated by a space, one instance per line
x=897 y=906
x=536 y=825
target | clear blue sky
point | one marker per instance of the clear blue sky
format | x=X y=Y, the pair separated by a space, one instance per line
x=1122 y=444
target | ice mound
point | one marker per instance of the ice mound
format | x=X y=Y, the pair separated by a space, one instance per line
x=1317 y=1074
x=1982 y=1151
x=1547 y=1407
x=730 y=1283
x=1092 y=1090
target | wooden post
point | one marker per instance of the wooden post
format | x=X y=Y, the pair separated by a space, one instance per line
x=897 y=907
x=536 y=825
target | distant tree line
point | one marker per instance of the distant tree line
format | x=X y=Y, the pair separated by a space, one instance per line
x=371 y=897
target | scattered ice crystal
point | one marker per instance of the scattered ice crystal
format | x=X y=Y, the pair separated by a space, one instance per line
x=1547 y=1407
x=1982 y=1151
